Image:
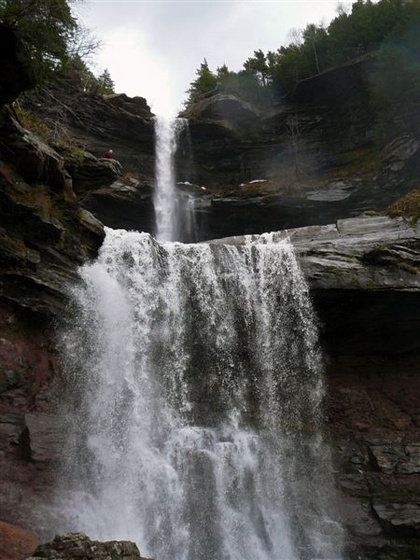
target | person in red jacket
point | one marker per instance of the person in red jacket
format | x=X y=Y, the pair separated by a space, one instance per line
x=108 y=154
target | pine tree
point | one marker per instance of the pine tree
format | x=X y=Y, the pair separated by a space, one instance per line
x=43 y=29
x=206 y=81
x=105 y=84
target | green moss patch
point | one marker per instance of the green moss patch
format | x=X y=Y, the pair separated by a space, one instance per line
x=407 y=207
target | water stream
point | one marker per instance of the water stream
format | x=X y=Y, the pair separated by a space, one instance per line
x=174 y=208
x=194 y=404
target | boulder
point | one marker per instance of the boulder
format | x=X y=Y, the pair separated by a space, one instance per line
x=90 y=173
x=16 y=542
x=78 y=545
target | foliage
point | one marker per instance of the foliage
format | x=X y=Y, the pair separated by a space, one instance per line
x=246 y=84
x=395 y=88
x=408 y=207
x=80 y=75
x=105 y=84
x=258 y=65
x=59 y=139
x=53 y=43
x=43 y=28
x=33 y=123
x=388 y=28
x=206 y=81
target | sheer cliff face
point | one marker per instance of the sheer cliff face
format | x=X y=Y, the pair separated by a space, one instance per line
x=365 y=285
x=312 y=159
x=315 y=157
x=44 y=235
x=314 y=162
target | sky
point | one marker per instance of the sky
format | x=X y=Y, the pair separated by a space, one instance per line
x=153 y=48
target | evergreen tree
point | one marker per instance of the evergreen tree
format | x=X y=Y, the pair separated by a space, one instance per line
x=78 y=73
x=105 y=84
x=387 y=29
x=43 y=28
x=258 y=65
x=206 y=81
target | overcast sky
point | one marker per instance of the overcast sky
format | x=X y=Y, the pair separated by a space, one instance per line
x=153 y=48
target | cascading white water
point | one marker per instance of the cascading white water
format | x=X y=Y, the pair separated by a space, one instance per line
x=174 y=218
x=194 y=404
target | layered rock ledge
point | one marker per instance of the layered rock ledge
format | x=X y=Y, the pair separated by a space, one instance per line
x=363 y=275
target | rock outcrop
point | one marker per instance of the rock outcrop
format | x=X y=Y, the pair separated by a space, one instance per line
x=78 y=545
x=309 y=162
x=364 y=277
x=99 y=123
x=44 y=231
x=44 y=236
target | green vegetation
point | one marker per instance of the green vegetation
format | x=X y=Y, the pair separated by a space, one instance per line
x=44 y=29
x=78 y=72
x=385 y=31
x=39 y=198
x=408 y=207
x=33 y=123
x=60 y=140
x=52 y=43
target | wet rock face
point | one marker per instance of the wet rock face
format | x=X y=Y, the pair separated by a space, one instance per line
x=373 y=412
x=126 y=204
x=27 y=362
x=364 y=279
x=44 y=236
x=78 y=545
x=16 y=543
x=44 y=233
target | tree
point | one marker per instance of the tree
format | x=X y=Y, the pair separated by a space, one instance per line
x=314 y=37
x=206 y=81
x=395 y=87
x=223 y=74
x=258 y=65
x=78 y=73
x=83 y=43
x=43 y=28
x=105 y=84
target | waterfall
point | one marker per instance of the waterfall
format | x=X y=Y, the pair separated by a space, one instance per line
x=194 y=403
x=173 y=209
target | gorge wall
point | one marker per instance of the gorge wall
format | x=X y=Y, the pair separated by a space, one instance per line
x=310 y=162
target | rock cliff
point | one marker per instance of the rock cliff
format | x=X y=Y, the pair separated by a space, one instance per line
x=364 y=278
x=312 y=159
x=310 y=162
